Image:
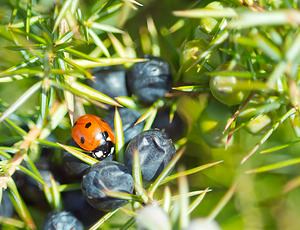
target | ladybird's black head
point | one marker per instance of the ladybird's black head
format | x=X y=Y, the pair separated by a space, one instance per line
x=104 y=150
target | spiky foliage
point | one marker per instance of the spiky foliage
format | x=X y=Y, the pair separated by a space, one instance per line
x=251 y=49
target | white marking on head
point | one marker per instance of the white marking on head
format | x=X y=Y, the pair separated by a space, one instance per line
x=99 y=154
x=108 y=139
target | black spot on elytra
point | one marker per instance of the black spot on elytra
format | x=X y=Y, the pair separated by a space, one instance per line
x=87 y=125
x=75 y=123
x=82 y=140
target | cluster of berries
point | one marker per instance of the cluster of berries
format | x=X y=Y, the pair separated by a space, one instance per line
x=155 y=150
x=148 y=81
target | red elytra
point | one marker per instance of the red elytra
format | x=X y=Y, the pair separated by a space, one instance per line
x=89 y=132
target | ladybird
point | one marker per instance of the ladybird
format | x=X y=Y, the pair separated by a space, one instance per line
x=93 y=134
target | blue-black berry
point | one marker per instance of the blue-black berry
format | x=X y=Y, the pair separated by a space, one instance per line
x=150 y=80
x=72 y=165
x=128 y=117
x=106 y=176
x=62 y=221
x=110 y=80
x=31 y=190
x=174 y=129
x=75 y=203
x=155 y=152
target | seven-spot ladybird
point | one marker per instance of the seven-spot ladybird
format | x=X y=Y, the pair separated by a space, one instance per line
x=93 y=134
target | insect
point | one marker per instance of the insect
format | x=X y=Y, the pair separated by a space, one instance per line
x=93 y=134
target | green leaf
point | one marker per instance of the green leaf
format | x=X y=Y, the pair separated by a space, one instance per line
x=99 y=62
x=150 y=119
x=145 y=40
x=9 y=149
x=124 y=196
x=69 y=187
x=62 y=13
x=17 y=128
x=189 y=172
x=21 y=100
x=107 y=28
x=166 y=202
x=204 y=13
x=134 y=2
x=13 y=78
x=279 y=147
x=238 y=74
x=66 y=37
x=127 y=102
x=150 y=114
x=6 y=156
x=128 y=224
x=48 y=195
x=11 y=222
x=79 y=54
x=32 y=175
x=276 y=74
x=224 y=200
x=32 y=167
x=98 y=42
x=31 y=21
x=104 y=7
x=28 y=16
x=183 y=202
x=30 y=35
x=78 y=67
x=81 y=156
x=274 y=166
x=294 y=49
x=100 y=222
x=55 y=192
x=154 y=37
x=118 y=46
x=48 y=143
x=270 y=105
x=268 y=47
x=45 y=98
x=197 y=201
x=266 y=136
x=137 y=177
x=191 y=88
x=55 y=120
x=292 y=184
x=266 y=18
x=19 y=204
x=84 y=90
x=69 y=97
x=13 y=70
x=119 y=136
